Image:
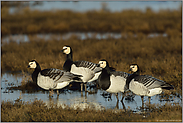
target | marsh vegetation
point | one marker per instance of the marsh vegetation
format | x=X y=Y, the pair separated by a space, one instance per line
x=159 y=56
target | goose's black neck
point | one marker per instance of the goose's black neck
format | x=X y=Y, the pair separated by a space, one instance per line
x=129 y=78
x=137 y=72
x=38 y=68
x=107 y=69
x=68 y=62
x=36 y=72
x=69 y=56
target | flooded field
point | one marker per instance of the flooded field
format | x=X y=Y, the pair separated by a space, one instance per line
x=98 y=99
x=152 y=39
x=81 y=36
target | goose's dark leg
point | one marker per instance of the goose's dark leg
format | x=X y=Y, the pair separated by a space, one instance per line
x=149 y=100
x=123 y=105
x=81 y=86
x=51 y=92
x=81 y=94
x=85 y=94
x=117 y=97
x=123 y=97
x=142 y=98
x=85 y=87
x=117 y=105
x=57 y=92
x=122 y=101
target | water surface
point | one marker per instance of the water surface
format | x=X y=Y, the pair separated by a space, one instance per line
x=73 y=98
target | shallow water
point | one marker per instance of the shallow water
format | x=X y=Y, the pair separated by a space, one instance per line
x=81 y=36
x=113 y=6
x=74 y=98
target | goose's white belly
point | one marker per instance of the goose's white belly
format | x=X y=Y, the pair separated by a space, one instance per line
x=61 y=85
x=117 y=84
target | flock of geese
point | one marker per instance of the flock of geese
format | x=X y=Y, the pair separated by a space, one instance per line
x=108 y=78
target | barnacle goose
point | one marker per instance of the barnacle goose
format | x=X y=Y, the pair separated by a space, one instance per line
x=144 y=85
x=51 y=79
x=112 y=81
x=88 y=70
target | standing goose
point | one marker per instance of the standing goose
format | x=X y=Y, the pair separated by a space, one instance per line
x=51 y=79
x=144 y=85
x=112 y=81
x=89 y=71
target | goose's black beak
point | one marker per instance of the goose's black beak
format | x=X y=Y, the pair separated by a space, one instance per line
x=98 y=65
x=28 y=66
x=130 y=69
x=62 y=50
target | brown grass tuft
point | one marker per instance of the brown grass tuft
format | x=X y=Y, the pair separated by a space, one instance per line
x=37 y=111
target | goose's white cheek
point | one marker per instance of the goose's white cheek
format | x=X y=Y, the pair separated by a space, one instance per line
x=103 y=64
x=67 y=51
x=32 y=65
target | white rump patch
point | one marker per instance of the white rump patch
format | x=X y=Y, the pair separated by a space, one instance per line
x=154 y=91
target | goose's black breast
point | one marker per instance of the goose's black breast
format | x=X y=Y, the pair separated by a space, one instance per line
x=67 y=65
x=34 y=76
x=104 y=80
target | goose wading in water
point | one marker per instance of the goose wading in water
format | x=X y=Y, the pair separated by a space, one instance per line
x=112 y=81
x=89 y=71
x=51 y=79
x=144 y=85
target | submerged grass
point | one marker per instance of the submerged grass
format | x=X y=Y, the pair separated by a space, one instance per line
x=37 y=111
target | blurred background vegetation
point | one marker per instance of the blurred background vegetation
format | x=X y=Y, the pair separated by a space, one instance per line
x=26 y=21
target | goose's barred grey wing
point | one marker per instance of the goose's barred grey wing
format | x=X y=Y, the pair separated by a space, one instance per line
x=59 y=76
x=89 y=65
x=151 y=82
x=54 y=74
x=120 y=73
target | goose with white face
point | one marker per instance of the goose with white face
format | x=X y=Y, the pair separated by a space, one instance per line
x=66 y=50
x=89 y=71
x=32 y=64
x=133 y=68
x=51 y=79
x=102 y=64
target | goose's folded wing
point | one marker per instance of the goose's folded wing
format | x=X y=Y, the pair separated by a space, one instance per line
x=88 y=65
x=151 y=82
x=59 y=75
